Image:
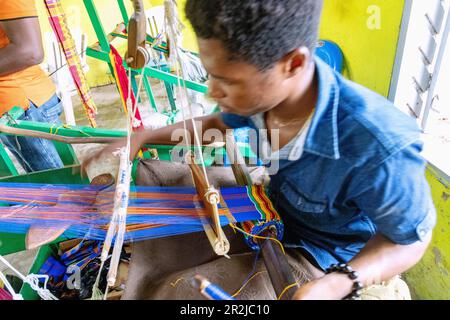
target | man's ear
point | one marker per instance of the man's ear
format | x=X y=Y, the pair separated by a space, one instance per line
x=296 y=61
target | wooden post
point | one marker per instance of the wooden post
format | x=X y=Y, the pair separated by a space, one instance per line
x=275 y=260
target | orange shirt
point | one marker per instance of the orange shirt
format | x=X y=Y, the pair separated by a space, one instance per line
x=30 y=84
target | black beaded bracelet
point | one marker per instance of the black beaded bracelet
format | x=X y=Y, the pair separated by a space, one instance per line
x=353 y=275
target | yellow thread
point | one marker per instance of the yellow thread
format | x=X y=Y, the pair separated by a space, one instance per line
x=67 y=126
x=286 y=289
x=259 y=237
x=80 y=131
x=56 y=129
x=173 y=284
x=243 y=286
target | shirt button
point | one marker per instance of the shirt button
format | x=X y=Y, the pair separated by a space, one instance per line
x=423 y=232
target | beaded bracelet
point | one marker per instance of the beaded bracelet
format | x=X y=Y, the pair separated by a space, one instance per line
x=353 y=275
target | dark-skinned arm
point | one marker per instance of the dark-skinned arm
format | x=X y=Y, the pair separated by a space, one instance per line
x=380 y=260
x=25 y=45
x=169 y=135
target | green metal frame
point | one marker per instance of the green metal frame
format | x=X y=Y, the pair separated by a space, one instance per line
x=164 y=151
x=11 y=243
x=71 y=173
x=7 y=168
x=162 y=74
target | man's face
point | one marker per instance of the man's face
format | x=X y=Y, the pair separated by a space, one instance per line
x=239 y=87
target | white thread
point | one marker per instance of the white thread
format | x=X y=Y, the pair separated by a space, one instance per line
x=118 y=220
x=33 y=281
x=174 y=33
x=15 y=296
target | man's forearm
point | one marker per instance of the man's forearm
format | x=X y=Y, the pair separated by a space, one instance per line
x=172 y=135
x=380 y=260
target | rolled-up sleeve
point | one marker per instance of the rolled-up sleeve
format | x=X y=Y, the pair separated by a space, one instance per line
x=17 y=9
x=396 y=197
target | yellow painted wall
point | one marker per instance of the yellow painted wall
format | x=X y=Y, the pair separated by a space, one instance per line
x=110 y=16
x=367 y=31
x=369 y=44
x=77 y=17
x=430 y=278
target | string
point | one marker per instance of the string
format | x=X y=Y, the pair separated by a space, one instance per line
x=247 y=282
x=286 y=289
x=15 y=296
x=122 y=198
x=250 y=274
x=174 y=284
x=33 y=281
x=258 y=237
x=117 y=225
x=173 y=35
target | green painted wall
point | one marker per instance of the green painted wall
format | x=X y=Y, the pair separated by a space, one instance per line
x=430 y=278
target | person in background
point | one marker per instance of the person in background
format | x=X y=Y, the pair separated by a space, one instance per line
x=24 y=84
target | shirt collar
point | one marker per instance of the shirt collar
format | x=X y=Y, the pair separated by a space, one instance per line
x=322 y=136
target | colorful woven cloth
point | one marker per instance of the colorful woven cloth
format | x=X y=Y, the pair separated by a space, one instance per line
x=58 y=22
x=85 y=211
x=121 y=77
x=258 y=196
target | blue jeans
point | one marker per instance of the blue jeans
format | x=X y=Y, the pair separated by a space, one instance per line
x=36 y=154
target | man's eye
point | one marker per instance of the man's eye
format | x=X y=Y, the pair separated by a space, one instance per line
x=227 y=82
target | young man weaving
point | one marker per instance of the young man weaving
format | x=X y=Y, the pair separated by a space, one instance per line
x=350 y=187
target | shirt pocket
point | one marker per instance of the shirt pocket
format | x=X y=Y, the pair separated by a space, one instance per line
x=301 y=200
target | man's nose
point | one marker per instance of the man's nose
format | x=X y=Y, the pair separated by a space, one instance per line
x=214 y=90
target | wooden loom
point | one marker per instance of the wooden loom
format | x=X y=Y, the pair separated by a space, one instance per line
x=274 y=258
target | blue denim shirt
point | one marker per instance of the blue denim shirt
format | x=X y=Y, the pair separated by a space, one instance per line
x=360 y=173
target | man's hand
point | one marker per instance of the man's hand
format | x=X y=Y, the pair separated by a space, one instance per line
x=380 y=260
x=259 y=176
x=137 y=141
x=330 y=287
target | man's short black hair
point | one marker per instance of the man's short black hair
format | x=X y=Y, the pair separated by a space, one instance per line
x=259 y=32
